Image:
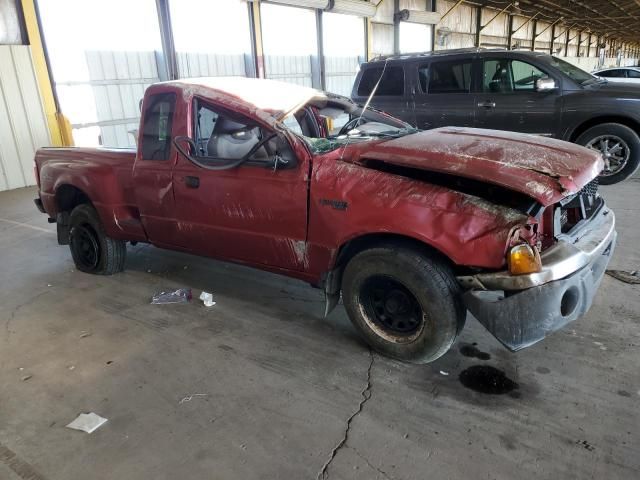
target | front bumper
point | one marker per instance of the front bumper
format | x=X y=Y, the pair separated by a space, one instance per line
x=526 y=315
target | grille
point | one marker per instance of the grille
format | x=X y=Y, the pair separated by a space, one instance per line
x=590 y=189
x=580 y=206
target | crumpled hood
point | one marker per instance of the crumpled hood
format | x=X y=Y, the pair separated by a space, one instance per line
x=542 y=168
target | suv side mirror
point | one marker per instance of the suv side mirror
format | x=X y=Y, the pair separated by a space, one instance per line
x=545 y=84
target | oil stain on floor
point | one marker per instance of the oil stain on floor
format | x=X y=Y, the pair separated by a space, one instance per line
x=488 y=380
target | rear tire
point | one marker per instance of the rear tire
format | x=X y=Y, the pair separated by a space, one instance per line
x=92 y=250
x=404 y=302
x=620 y=147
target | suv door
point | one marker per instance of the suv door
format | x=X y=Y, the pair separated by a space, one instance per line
x=254 y=213
x=442 y=95
x=508 y=100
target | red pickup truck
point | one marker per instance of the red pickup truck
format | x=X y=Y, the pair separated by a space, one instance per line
x=411 y=228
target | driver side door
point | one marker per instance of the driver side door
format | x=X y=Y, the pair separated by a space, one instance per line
x=253 y=213
x=508 y=100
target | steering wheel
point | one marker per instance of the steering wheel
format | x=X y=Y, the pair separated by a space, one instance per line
x=351 y=124
x=227 y=166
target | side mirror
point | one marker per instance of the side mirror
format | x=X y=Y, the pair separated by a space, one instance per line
x=545 y=84
x=284 y=156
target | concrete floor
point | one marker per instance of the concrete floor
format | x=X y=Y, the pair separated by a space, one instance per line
x=278 y=392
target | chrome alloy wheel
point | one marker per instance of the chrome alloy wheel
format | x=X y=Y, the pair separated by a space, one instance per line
x=614 y=150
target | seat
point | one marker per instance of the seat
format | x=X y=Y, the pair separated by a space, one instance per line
x=500 y=81
x=232 y=140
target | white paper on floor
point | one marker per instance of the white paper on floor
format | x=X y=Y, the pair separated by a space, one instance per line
x=87 y=422
x=207 y=299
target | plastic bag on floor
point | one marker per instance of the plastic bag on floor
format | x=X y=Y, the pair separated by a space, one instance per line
x=181 y=295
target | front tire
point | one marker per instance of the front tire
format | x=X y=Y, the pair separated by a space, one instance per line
x=620 y=148
x=92 y=250
x=405 y=303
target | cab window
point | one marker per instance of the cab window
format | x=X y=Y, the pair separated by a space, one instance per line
x=156 y=130
x=446 y=77
x=220 y=136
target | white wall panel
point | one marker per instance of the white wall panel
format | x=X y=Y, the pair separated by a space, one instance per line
x=525 y=31
x=340 y=73
x=289 y=68
x=23 y=126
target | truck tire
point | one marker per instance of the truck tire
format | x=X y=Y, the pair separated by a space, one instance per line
x=404 y=302
x=92 y=250
x=620 y=147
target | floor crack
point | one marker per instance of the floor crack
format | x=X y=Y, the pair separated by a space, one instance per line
x=371 y=465
x=366 y=395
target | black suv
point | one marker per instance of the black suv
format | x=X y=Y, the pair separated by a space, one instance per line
x=521 y=91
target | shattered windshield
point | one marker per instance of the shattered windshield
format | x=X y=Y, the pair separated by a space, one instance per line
x=328 y=124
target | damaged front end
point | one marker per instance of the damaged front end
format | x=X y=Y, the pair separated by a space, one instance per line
x=520 y=309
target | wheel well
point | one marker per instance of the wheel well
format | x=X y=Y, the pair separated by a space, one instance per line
x=632 y=124
x=68 y=197
x=351 y=248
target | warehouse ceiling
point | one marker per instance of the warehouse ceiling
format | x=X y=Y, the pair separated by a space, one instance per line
x=615 y=19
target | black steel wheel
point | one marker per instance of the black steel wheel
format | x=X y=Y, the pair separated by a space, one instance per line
x=391 y=308
x=93 y=251
x=404 y=300
x=84 y=241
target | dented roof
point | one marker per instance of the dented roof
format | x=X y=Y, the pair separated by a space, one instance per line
x=276 y=97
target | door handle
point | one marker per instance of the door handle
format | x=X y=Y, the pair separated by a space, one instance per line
x=191 y=182
x=487 y=104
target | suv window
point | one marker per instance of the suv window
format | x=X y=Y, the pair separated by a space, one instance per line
x=391 y=84
x=506 y=76
x=220 y=137
x=156 y=131
x=446 y=77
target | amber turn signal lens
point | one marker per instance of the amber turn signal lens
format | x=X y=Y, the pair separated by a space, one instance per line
x=523 y=259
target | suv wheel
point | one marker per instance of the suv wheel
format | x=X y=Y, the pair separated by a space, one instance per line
x=620 y=148
x=92 y=250
x=404 y=303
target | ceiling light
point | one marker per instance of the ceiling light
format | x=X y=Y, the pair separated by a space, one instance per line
x=352 y=7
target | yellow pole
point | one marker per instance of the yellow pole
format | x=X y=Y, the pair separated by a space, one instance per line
x=59 y=126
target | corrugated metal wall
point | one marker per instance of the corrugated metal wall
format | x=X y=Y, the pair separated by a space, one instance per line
x=23 y=126
x=340 y=73
x=289 y=68
x=192 y=65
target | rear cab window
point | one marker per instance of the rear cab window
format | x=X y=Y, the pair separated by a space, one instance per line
x=391 y=81
x=156 y=129
x=445 y=77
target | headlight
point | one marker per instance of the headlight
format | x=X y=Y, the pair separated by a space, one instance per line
x=523 y=259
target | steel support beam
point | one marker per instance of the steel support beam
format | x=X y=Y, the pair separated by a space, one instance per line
x=396 y=27
x=510 y=33
x=58 y=125
x=255 y=31
x=478 y=26
x=318 y=80
x=166 y=37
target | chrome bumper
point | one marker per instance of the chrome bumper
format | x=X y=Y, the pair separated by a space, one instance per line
x=566 y=257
